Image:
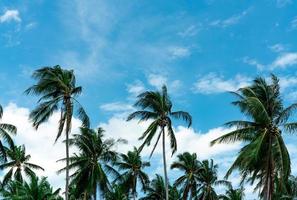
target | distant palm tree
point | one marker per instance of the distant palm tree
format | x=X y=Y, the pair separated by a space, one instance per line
x=157 y=191
x=58 y=91
x=156 y=106
x=18 y=164
x=264 y=156
x=36 y=189
x=189 y=181
x=232 y=194
x=132 y=165
x=93 y=161
x=117 y=192
x=6 y=130
x=208 y=179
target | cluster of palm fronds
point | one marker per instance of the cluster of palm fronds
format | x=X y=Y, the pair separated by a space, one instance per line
x=98 y=171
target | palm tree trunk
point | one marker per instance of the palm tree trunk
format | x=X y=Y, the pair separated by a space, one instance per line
x=164 y=164
x=68 y=130
x=95 y=193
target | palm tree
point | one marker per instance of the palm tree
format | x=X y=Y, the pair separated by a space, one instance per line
x=93 y=162
x=208 y=178
x=264 y=156
x=157 y=191
x=232 y=194
x=117 y=192
x=36 y=189
x=58 y=91
x=189 y=181
x=133 y=166
x=6 y=130
x=18 y=164
x=156 y=106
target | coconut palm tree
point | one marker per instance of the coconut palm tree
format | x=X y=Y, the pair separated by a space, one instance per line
x=58 y=91
x=232 y=194
x=117 y=192
x=208 y=179
x=6 y=130
x=18 y=164
x=132 y=166
x=93 y=162
x=156 y=107
x=189 y=181
x=156 y=190
x=36 y=189
x=264 y=156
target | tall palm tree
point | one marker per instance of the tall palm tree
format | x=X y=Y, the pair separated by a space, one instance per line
x=157 y=191
x=208 y=179
x=232 y=193
x=189 y=181
x=18 y=164
x=58 y=91
x=93 y=162
x=156 y=106
x=6 y=130
x=264 y=156
x=36 y=189
x=133 y=166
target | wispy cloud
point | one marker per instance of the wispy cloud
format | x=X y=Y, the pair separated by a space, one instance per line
x=178 y=52
x=253 y=62
x=190 y=31
x=284 y=60
x=10 y=15
x=283 y=3
x=294 y=23
x=116 y=107
x=235 y=19
x=214 y=83
x=277 y=48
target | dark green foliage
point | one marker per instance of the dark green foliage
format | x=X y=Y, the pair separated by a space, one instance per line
x=264 y=156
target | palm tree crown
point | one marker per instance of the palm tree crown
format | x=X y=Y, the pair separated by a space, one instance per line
x=265 y=155
x=132 y=165
x=191 y=167
x=18 y=163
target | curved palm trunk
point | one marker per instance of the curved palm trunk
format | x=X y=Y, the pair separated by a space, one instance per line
x=68 y=130
x=164 y=164
x=270 y=176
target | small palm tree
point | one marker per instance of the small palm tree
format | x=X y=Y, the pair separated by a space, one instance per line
x=264 y=156
x=208 y=179
x=132 y=165
x=18 y=164
x=6 y=130
x=93 y=162
x=58 y=91
x=36 y=189
x=232 y=194
x=157 y=191
x=157 y=106
x=189 y=181
x=117 y=192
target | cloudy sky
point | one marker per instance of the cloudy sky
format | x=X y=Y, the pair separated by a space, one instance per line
x=119 y=48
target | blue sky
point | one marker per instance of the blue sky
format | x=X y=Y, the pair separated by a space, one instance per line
x=200 y=49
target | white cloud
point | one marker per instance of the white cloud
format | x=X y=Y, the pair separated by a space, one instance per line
x=157 y=80
x=235 y=19
x=213 y=83
x=135 y=88
x=116 y=107
x=253 y=62
x=39 y=144
x=187 y=139
x=178 y=52
x=10 y=15
x=287 y=82
x=277 y=48
x=284 y=60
